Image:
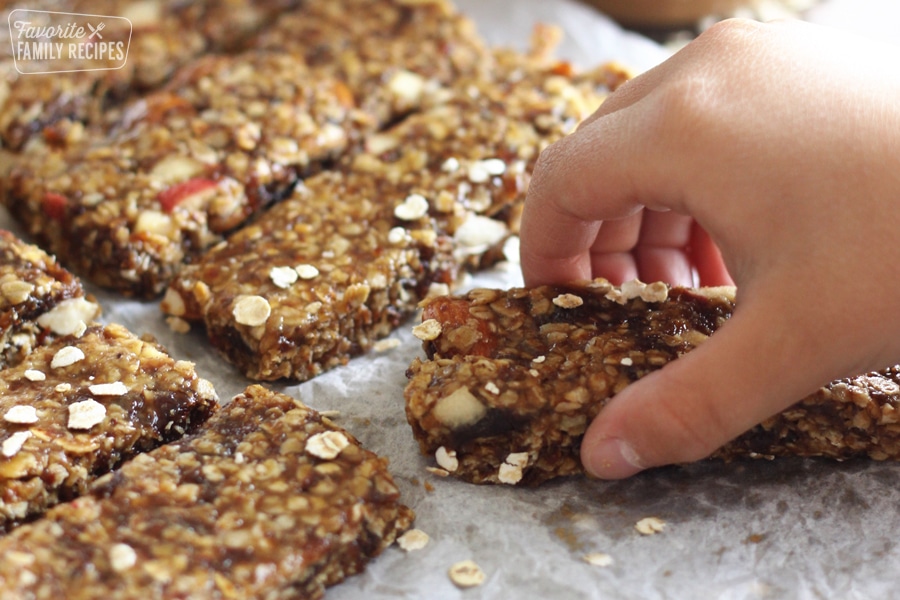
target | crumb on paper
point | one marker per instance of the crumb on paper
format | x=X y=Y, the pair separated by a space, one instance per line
x=178 y=325
x=385 y=344
x=412 y=540
x=438 y=471
x=327 y=445
x=650 y=526
x=598 y=559
x=466 y=574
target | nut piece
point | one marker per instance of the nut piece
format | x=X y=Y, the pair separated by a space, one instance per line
x=598 y=559
x=428 y=330
x=327 y=445
x=86 y=414
x=122 y=557
x=22 y=415
x=446 y=459
x=173 y=304
x=510 y=471
x=109 y=389
x=251 y=310
x=283 y=277
x=459 y=409
x=14 y=443
x=66 y=356
x=69 y=316
x=650 y=525
x=466 y=574
x=568 y=301
x=414 y=539
x=414 y=207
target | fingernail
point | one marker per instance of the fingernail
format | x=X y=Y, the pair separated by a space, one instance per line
x=612 y=458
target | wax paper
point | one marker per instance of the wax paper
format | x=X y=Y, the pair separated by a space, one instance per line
x=793 y=528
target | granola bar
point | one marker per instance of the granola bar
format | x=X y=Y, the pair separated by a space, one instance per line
x=166 y=34
x=38 y=299
x=321 y=276
x=76 y=408
x=513 y=378
x=269 y=500
x=181 y=167
x=390 y=54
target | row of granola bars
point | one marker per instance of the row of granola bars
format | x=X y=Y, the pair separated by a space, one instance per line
x=120 y=476
x=395 y=147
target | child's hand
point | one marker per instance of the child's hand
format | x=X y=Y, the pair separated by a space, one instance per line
x=782 y=142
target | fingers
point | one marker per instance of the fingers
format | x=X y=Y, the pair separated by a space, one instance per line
x=707 y=259
x=662 y=252
x=747 y=371
x=594 y=174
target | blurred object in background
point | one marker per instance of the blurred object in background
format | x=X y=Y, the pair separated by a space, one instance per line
x=695 y=14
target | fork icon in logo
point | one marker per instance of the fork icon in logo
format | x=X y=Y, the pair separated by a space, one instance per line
x=96 y=30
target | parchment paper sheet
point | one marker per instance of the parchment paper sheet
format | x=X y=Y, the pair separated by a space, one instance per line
x=799 y=529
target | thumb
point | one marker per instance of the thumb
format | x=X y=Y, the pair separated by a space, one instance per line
x=754 y=366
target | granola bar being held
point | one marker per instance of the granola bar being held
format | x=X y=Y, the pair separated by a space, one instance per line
x=513 y=378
